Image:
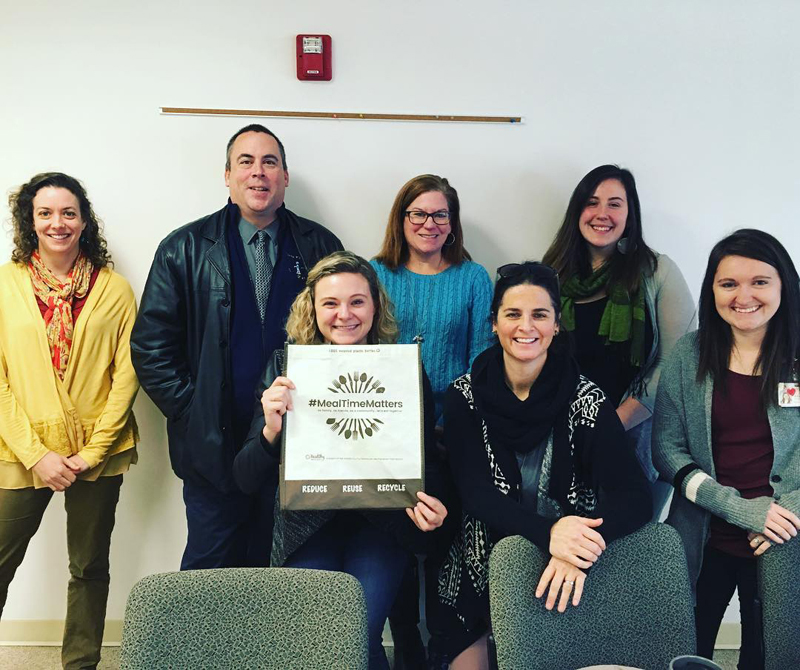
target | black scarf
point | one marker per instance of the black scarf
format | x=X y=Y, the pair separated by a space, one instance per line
x=518 y=424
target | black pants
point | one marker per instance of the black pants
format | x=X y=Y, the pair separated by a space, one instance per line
x=721 y=575
x=228 y=530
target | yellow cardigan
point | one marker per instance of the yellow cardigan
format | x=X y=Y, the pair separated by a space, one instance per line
x=89 y=413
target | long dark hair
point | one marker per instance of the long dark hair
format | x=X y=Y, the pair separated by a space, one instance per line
x=781 y=345
x=394 y=251
x=569 y=253
x=92 y=243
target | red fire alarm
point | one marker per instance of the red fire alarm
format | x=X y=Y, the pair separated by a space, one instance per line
x=314 y=58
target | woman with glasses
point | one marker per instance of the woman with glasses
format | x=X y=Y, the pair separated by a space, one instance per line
x=537 y=450
x=625 y=305
x=441 y=300
x=726 y=430
x=67 y=387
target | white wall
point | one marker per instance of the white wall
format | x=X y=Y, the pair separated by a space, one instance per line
x=700 y=99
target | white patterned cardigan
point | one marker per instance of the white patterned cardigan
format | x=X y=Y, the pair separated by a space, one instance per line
x=467 y=562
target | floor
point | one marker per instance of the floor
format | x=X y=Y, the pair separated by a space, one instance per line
x=47 y=658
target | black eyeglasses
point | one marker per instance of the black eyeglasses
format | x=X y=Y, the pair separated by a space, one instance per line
x=510 y=270
x=418 y=217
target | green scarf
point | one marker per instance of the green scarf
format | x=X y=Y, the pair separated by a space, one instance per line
x=624 y=316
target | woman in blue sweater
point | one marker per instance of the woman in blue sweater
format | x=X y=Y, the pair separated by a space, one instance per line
x=441 y=299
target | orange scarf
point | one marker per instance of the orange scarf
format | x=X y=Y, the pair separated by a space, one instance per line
x=58 y=298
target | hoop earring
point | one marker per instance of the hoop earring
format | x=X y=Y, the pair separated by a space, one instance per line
x=448 y=242
x=625 y=246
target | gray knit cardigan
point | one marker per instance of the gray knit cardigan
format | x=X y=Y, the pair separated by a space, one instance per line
x=682 y=454
x=671 y=310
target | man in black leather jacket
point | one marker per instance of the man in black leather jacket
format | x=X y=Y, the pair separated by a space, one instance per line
x=205 y=332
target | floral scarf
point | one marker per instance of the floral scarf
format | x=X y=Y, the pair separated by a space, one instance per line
x=58 y=298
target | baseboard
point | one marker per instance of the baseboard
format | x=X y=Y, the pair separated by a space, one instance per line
x=45 y=632
x=39 y=632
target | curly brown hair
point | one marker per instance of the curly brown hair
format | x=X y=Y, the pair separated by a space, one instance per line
x=92 y=243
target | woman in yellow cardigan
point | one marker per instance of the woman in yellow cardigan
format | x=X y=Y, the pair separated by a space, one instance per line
x=66 y=390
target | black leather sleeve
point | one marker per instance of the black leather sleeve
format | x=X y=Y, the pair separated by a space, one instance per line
x=158 y=349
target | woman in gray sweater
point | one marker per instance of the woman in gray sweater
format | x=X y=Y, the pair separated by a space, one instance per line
x=625 y=305
x=726 y=429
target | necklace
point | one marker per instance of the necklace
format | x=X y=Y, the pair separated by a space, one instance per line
x=408 y=288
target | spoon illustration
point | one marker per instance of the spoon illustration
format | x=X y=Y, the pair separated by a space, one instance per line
x=343 y=381
x=361 y=381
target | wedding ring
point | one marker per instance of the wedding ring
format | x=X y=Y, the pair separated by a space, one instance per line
x=569 y=583
x=757 y=541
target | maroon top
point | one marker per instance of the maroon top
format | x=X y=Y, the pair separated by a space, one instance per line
x=741 y=443
x=77 y=303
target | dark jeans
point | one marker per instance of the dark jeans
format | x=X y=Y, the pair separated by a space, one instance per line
x=721 y=575
x=349 y=543
x=228 y=530
x=90 y=508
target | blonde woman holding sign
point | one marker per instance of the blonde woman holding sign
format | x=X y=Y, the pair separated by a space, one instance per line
x=343 y=303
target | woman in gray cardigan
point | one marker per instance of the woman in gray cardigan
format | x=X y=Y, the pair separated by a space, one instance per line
x=726 y=430
x=625 y=305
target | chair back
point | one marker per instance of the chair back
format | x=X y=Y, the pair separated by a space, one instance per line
x=245 y=618
x=779 y=593
x=636 y=608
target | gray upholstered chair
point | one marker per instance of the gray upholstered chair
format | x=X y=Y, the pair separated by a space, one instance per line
x=779 y=591
x=636 y=608
x=242 y=618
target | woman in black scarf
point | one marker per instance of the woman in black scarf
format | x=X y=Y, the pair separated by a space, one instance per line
x=536 y=450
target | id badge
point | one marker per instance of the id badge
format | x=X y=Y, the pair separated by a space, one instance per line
x=789 y=394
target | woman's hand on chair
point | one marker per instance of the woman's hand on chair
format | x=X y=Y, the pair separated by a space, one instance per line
x=276 y=401
x=55 y=470
x=562 y=577
x=428 y=514
x=781 y=524
x=574 y=539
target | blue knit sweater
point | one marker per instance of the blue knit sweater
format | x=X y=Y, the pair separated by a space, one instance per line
x=450 y=310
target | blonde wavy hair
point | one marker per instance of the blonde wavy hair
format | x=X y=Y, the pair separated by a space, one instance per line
x=301 y=326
